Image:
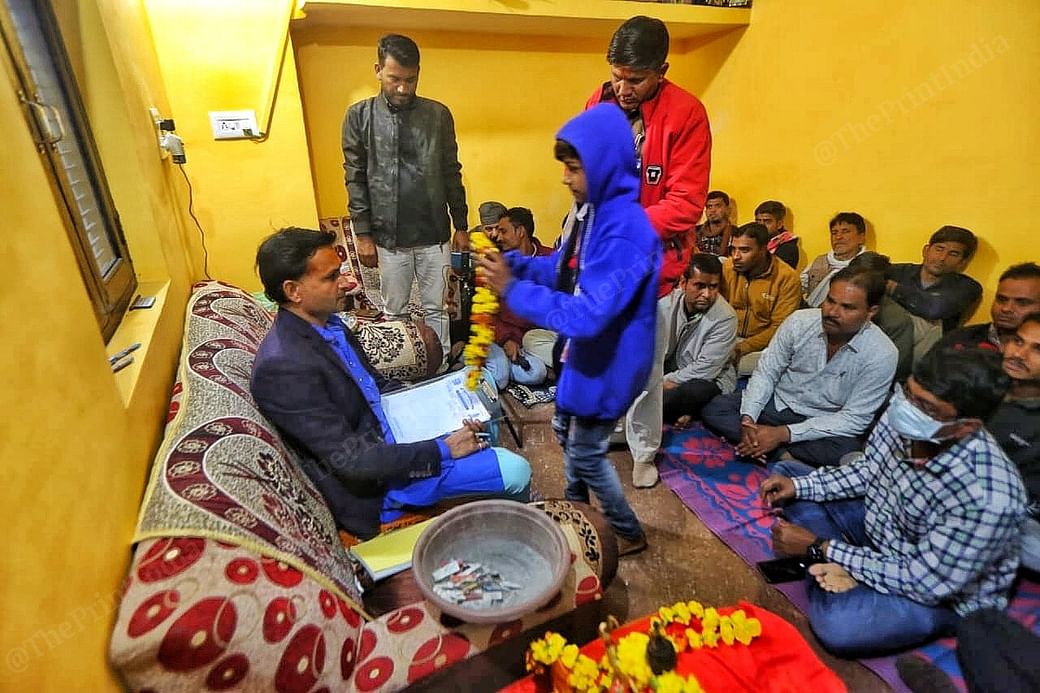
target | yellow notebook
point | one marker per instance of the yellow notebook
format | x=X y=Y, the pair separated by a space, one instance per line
x=389 y=553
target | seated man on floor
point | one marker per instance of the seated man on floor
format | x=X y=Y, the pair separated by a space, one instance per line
x=1016 y=424
x=922 y=530
x=714 y=234
x=312 y=380
x=848 y=234
x=782 y=243
x=936 y=292
x=702 y=330
x=507 y=359
x=761 y=289
x=1018 y=295
x=490 y=212
x=1015 y=332
x=819 y=384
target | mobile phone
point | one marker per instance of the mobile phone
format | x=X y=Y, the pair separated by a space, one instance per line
x=142 y=302
x=461 y=261
x=784 y=569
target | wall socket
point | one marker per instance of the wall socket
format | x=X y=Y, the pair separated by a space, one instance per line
x=233 y=125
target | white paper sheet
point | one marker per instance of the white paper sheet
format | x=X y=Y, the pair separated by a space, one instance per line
x=432 y=408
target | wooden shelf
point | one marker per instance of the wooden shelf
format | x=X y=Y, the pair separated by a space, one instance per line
x=563 y=18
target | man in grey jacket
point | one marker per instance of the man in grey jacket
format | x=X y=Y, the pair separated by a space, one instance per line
x=702 y=330
x=403 y=178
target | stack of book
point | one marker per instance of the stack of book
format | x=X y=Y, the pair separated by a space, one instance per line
x=389 y=554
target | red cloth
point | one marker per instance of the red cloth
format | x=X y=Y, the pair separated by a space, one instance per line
x=509 y=325
x=777 y=661
x=676 y=162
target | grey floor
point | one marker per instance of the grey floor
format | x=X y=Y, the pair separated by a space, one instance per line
x=684 y=559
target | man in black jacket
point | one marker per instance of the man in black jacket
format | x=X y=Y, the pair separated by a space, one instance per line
x=936 y=292
x=403 y=178
x=1018 y=295
x=1016 y=424
x=311 y=379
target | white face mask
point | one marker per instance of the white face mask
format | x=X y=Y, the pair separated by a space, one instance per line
x=910 y=422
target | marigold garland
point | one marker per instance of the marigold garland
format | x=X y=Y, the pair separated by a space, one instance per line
x=688 y=625
x=482 y=316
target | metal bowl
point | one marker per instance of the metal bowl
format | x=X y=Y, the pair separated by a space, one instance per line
x=518 y=542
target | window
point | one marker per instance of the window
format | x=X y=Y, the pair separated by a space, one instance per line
x=54 y=111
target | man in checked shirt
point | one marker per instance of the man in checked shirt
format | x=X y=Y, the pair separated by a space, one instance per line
x=922 y=530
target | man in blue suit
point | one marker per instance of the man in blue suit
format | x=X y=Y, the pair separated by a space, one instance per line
x=311 y=379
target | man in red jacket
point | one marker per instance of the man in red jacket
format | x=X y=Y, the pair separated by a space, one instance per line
x=673 y=152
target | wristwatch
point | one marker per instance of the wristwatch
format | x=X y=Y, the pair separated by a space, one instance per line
x=815 y=552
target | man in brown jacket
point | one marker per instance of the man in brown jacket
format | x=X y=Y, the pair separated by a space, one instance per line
x=762 y=290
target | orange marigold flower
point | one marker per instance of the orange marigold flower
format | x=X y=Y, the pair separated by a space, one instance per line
x=630 y=652
x=482 y=319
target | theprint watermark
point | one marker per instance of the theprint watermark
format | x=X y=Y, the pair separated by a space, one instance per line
x=942 y=78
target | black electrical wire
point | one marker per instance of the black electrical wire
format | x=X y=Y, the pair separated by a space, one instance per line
x=191 y=213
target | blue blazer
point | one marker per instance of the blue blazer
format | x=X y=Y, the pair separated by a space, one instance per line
x=300 y=384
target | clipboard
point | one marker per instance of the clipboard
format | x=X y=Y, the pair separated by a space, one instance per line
x=433 y=408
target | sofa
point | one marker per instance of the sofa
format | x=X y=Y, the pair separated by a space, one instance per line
x=239 y=579
x=369 y=278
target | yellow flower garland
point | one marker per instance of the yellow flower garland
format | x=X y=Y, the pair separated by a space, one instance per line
x=482 y=316
x=586 y=675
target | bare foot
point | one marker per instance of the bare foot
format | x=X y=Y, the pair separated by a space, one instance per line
x=832 y=577
x=683 y=421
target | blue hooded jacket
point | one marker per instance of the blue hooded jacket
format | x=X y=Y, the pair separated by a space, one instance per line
x=609 y=320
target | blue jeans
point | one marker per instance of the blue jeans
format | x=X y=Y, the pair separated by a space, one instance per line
x=503 y=370
x=861 y=622
x=585 y=443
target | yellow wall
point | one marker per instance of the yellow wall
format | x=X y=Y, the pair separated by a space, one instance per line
x=509 y=96
x=75 y=452
x=913 y=120
x=913 y=114
x=222 y=56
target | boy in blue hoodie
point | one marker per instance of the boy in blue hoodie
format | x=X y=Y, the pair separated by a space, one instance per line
x=599 y=293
